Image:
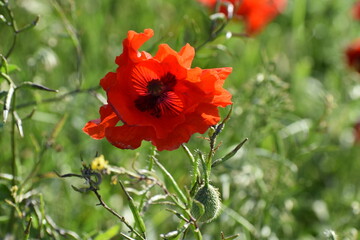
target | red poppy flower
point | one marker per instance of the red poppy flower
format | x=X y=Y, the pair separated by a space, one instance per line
x=353 y=55
x=255 y=13
x=158 y=99
x=356 y=11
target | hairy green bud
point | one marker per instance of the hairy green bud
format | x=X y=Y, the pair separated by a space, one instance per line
x=209 y=197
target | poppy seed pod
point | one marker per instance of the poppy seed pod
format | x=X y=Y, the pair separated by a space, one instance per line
x=209 y=197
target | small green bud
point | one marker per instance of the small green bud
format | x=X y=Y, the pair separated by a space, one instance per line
x=209 y=197
x=211 y=131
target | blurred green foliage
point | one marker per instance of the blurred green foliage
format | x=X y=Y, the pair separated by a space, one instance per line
x=294 y=98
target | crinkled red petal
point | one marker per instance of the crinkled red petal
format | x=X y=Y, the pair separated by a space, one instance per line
x=205 y=116
x=184 y=57
x=131 y=44
x=96 y=128
x=128 y=137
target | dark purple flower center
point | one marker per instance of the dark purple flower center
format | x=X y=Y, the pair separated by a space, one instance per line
x=159 y=98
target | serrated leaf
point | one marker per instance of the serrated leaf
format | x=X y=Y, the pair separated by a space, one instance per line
x=110 y=233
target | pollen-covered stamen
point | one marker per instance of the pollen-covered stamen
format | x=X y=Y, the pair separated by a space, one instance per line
x=160 y=99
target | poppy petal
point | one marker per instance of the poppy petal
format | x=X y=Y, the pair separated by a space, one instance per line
x=131 y=44
x=184 y=57
x=96 y=128
x=128 y=137
x=187 y=54
x=108 y=81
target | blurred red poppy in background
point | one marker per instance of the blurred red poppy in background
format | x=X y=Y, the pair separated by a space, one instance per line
x=356 y=11
x=158 y=99
x=356 y=130
x=255 y=13
x=353 y=55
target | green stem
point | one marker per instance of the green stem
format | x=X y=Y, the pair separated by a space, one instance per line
x=13 y=159
x=151 y=158
x=13 y=143
x=197 y=233
x=194 y=163
x=205 y=169
x=14 y=28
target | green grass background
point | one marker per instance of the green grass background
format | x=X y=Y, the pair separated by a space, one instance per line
x=294 y=98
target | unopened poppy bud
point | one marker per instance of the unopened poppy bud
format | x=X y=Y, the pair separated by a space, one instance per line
x=209 y=197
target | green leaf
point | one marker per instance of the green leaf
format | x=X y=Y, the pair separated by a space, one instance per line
x=110 y=233
x=172 y=182
x=36 y=86
x=231 y=237
x=138 y=219
x=8 y=102
x=230 y=154
x=2 y=18
x=13 y=68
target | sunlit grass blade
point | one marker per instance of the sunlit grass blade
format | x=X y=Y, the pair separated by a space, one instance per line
x=241 y=220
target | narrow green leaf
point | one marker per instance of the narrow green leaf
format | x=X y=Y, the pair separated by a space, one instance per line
x=3 y=64
x=12 y=68
x=230 y=154
x=19 y=124
x=59 y=125
x=36 y=86
x=172 y=181
x=176 y=233
x=8 y=101
x=110 y=233
x=240 y=220
x=27 y=229
x=30 y=25
x=231 y=237
x=127 y=237
x=138 y=219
